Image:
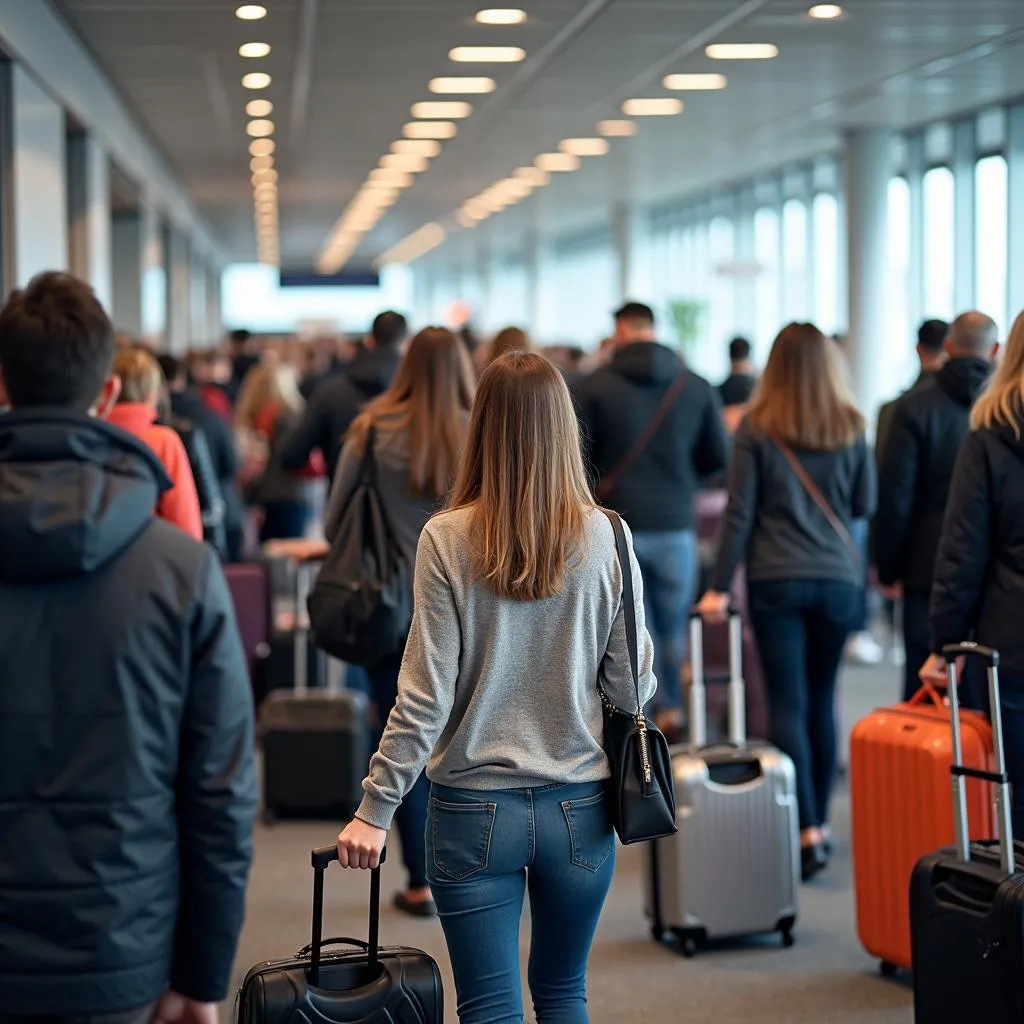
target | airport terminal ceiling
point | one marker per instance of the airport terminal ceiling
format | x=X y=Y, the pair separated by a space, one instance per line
x=346 y=73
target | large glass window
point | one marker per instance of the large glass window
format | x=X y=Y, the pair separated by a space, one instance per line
x=509 y=299
x=585 y=285
x=796 y=262
x=991 y=252
x=899 y=367
x=766 y=252
x=721 y=323
x=826 y=262
x=939 y=241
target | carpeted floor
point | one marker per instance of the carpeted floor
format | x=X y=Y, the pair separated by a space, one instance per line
x=825 y=979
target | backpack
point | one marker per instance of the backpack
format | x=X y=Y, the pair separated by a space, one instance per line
x=360 y=608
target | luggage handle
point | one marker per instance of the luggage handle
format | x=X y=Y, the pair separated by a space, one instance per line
x=320 y=859
x=335 y=940
x=698 y=690
x=959 y=773
x=303 y=574
x=927 y=693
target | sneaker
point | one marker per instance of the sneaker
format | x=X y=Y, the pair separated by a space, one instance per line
x=864 y=649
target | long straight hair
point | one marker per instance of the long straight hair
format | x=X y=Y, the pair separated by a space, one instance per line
x=430 y=397
x=803 y=397
x=1002 y=401
x=522 y=476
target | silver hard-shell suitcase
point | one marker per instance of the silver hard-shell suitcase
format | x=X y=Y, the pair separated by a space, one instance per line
x=733 y=868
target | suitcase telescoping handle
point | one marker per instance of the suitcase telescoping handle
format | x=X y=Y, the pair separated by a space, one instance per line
x=698 y=691
x=321 y=858
x=960 y=772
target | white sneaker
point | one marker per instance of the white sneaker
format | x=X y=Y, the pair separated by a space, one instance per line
x=864 y=649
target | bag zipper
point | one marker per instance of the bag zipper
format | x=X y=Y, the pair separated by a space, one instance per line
x=645 y=753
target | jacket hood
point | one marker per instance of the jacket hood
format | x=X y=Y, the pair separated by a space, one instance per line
x=964 y=377
x=647 y=362
x=373 y=369
x=74 y=493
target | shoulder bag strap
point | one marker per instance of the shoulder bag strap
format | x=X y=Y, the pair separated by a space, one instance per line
x=608 y=483
x=628 y=601
x=368 y=464
x=820 y=500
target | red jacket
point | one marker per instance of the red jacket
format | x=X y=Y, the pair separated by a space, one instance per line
x=179 y=505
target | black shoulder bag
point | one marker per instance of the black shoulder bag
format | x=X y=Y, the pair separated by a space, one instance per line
x=361 y=606
x=641 y=791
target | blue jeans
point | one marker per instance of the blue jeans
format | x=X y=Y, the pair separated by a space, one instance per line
x=411 y=817
x=801 y=628
x=669 y=563
x=484 y=849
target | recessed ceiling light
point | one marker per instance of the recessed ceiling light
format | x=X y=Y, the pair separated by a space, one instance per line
x=461 y=84
x=411 y=162
x=261 y=163
x=487 y=54
x=259 y=108
x=256 y=80
x=560 y=162
x=262 y=147
x=826 y=12
x=260 y=129
x=267 y=174
x=466 y=219
x=742 y=51
x=501 y=16
x=696 y=83
x=430 y=130
x=254 y=49
x=519 y=188
x=616 y=129
x=442 y=109
x=389 y=177
x=534 y=175
x=251 y=12
x=584 y=147
x=662 y=106
x=421 y=147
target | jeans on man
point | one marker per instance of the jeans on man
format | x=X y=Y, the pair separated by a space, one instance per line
x=669 y=564
x=484 y=850
x=143 y=1015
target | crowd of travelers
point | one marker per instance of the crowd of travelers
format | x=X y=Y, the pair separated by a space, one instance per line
x=127 y=765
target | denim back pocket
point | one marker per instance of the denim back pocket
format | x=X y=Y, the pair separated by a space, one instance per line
x=590 y=831
x=461 y=837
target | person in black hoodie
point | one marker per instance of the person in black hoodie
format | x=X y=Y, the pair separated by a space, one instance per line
x=928 y=428
x=978 y=585
x=653 y=429
x=127 y=786
x=338 y=400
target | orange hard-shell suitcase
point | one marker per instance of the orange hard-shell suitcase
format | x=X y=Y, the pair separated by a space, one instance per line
x=901 y=809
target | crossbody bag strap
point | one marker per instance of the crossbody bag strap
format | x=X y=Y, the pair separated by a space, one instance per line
x=628 y=600
x=820 y=500
x=608 y=483
x=368 y=463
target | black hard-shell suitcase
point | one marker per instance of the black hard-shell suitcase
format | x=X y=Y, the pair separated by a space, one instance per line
x=370 y=985
x=967 y=902
x=315 y=742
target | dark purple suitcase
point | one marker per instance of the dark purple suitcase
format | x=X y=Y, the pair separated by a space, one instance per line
x=368 y=985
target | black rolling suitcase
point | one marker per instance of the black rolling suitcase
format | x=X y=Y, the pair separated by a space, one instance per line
x=315 y=741
x=967 y=902
x=394 y=985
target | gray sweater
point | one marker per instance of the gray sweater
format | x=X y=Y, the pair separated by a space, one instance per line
x=773 y=524
x=499 y=694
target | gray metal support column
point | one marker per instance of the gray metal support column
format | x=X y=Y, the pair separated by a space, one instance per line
x=964 y=157
x=1015 y=160
x=915 y=180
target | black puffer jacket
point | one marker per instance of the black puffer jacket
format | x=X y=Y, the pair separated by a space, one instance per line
x=334 y=405
x=928 y=427
x=979 y=573
x=211 y=500
x=616 y=404
x=127 y=790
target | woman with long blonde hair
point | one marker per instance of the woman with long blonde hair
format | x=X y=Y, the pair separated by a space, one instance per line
x=978 y=586
x=418 y=428
x=518 y=619
x=800 y=476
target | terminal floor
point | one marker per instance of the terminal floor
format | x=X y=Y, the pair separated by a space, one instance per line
x=826 y=978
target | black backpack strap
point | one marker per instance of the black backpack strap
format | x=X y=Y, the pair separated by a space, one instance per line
x=628 y=599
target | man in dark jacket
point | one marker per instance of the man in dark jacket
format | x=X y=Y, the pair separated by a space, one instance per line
x=928 y=427
x=337 y=401
x=127 y=792
x=653 y=429
x=187 y=403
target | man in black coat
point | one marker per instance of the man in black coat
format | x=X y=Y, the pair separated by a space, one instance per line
x=127 y=789
x=336 y=402
x=653 y=429
x=928 y=428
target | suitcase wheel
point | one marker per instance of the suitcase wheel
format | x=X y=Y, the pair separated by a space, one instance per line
x=269 y=818
x=787 y=939
x=687 y=943
x=887 y=969
x=657 y=932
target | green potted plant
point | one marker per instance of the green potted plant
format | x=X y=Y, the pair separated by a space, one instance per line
x=687 y=316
